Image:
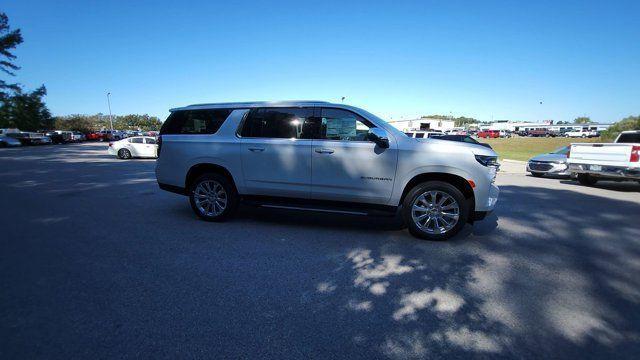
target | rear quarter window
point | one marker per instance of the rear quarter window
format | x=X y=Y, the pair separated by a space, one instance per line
x=193 y=122
x=629 y=138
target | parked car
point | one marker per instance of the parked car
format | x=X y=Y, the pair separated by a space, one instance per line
x=93 y=136
x=31 y=138
x=8 y=141
x=553 y=163
x=489 y=134
x=263 y=153
x=582 y=134
x=137 y=146
x=504 y=133
x=110 y=135
x=619 y=160
x=541 y=133
x=421 y=134
x=462 y=138
x=56 y=138
x=77 y=136
x=6 y=131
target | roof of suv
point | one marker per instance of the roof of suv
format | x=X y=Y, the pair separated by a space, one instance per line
x=252 y=104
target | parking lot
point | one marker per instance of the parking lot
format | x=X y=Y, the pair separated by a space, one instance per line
x=98 y=262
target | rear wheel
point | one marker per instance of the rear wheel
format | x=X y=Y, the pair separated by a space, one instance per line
x=587 y=180
x=537 y=174
x=213 y=197
x=124 y=154
x=435 y=210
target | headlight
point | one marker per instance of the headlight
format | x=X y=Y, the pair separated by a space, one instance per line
x=487 y=160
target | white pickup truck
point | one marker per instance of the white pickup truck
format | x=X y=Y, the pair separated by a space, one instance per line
x=581 y=134
x=620 y=160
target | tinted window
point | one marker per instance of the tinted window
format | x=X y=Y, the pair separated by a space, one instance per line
x=343 y=125
x=419 y=135
x=136 y=140
x=150 y=140
x=195 y=121
x=279 y=123
x=629 y=138
x=409 y=134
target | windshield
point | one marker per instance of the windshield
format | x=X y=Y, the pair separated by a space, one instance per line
x=561 y=151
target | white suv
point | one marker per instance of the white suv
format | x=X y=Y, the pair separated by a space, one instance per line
x=318 y=156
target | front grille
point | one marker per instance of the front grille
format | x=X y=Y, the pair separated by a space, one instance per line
x=540 y=166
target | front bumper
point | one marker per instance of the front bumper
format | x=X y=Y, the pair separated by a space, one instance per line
x=545 y=167
x=619 y=172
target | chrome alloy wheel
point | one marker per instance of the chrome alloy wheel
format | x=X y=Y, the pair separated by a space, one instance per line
x=210 y=198
x=435 y=212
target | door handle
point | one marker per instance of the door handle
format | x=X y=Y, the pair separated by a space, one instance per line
x=256 y=149
x=324 y=151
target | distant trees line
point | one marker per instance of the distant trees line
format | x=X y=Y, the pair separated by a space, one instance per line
x=86 y=123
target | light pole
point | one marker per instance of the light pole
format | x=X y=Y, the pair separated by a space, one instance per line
x=109 y=103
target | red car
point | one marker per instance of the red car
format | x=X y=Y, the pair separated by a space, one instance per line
x=489 y=134
x=93 y=136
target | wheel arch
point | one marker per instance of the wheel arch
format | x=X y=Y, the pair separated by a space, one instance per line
x=202 y=168
x=456 y=180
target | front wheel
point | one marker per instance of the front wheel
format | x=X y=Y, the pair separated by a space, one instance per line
x=435 y=210
x=213 y=197
x=587 y=180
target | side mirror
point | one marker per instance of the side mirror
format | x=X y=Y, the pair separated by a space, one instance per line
x=379 y=136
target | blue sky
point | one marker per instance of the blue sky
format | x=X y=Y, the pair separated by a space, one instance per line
x=486 y=59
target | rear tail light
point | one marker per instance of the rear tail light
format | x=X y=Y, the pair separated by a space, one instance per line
x=569 y=153
x=110 y=144
x=635 y=154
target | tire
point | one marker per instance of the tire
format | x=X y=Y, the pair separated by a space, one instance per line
x=124 y=154
x=587 y=180
x=537 y=174
x=429 y=196
x=205 y=189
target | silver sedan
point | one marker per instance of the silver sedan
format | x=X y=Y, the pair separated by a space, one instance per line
x=553 y=163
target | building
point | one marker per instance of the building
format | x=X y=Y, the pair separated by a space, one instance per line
x=516 y=126
x=423 y=124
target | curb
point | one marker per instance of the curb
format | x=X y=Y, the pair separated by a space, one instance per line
x=514 y=161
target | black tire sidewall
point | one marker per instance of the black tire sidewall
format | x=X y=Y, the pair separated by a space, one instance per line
x=419 y=189
x=586 y=179
x=537 y=174
x=127 y=154
x=232 y=197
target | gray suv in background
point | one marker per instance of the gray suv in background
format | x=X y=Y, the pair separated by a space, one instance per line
x=319 y=156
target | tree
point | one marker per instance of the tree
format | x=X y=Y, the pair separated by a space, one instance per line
x=582 y=120
x=86 y=123
x=26 y=111
x=628 y=123
x=9 y=39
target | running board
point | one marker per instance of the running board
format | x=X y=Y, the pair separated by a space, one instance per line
x=314 y=209
x=324 y=206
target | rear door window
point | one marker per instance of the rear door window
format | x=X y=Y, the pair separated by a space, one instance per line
x=280 y=123
x=629 y=138
x=150 y=140
x=195 y=121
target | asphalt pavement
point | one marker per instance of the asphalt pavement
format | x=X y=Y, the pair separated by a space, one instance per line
x=97 y=262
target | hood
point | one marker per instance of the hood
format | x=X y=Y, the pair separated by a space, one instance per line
x=476 y=149
x=550 y=157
